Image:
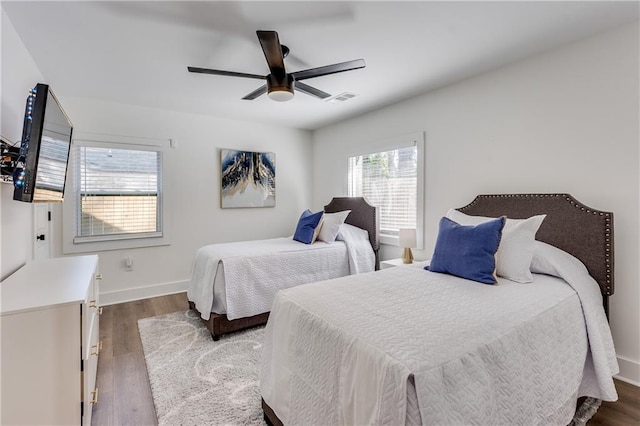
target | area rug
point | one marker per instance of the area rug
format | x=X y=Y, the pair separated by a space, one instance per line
x=196 y=381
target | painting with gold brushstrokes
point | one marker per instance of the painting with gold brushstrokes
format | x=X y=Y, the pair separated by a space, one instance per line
x=248 y=179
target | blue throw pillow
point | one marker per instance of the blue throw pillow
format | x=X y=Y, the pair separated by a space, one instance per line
x=468 y=251
x=307 y=224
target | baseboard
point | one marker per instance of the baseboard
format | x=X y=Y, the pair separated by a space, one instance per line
x=138 y=293
x=629 y=371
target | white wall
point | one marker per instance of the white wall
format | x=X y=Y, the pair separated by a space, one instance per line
x=564 y=121
x=192 y=189
x=192 y=185
x=19 y=74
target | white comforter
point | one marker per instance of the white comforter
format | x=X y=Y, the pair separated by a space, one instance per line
x=349 y=351
x=255 y=270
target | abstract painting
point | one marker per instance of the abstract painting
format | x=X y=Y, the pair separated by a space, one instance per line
x=248 y=179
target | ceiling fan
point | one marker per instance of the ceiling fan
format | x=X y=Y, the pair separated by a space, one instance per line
x=280 y=84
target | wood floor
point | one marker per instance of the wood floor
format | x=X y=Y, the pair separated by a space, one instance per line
x=124 y=392
x=124 y=396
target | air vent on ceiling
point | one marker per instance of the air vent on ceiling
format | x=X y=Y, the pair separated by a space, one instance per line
x=342 y=97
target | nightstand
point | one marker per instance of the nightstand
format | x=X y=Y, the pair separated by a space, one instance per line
x=386 y=264
x=391 y=263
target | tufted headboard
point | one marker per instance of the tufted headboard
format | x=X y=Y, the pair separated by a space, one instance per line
x=363 y=215
x=584 y=232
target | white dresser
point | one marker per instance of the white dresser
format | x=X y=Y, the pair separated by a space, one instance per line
x=49 y=342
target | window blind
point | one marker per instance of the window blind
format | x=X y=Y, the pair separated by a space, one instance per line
x=388 y=180
x=119 y=192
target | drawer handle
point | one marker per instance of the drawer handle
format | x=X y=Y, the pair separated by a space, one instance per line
x=98 y=348
x=94 y=396
x=92 y=304
x=98 y=277
x=100 y=310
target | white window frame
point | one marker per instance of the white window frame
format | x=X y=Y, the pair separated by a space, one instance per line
x=75 y=244
x=399 y=142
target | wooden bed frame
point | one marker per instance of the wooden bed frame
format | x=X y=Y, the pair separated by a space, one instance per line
x=363 y=215
x=584 y=232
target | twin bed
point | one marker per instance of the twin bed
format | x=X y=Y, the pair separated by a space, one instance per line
x=233 y=284
x=411 y=346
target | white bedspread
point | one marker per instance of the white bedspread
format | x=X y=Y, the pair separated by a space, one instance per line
x=255 y=270
x=344 y=351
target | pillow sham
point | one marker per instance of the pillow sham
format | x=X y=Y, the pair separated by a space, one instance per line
x=468 y=251
x=513 y=259
x=308 y=227
x=331 y=225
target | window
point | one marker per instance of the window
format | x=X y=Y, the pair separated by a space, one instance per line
x=119 y=194
x=391 y=179
x=116 y=196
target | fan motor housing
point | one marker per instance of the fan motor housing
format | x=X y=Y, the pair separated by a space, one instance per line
x=280 y=88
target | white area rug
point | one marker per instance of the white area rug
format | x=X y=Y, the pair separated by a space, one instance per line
x=196 y=381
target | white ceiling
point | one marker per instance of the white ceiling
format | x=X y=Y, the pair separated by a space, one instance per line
x=138 y=52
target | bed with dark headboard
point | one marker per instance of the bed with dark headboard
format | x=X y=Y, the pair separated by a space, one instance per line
x=582 y=231
x=362 y=215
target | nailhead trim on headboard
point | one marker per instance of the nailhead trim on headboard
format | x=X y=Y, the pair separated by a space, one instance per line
x=607 y=236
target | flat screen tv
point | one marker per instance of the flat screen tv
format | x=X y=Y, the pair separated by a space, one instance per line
x=44 y=150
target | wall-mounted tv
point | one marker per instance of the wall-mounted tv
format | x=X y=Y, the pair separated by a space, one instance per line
x=44 y=150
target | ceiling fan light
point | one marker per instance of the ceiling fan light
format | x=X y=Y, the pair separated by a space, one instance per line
x=280 y=95
x=280 y=88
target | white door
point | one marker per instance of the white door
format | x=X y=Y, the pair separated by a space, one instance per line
x=42 y=231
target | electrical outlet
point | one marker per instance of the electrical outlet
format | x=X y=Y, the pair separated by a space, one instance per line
x=128 y=263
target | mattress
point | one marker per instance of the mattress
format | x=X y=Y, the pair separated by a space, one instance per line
x=409 y=346
x=240 y=279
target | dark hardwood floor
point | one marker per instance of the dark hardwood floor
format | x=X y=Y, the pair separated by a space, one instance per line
x=624 y=412
x=124 y=392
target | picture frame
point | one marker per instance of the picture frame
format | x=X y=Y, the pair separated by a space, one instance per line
x=247 y=179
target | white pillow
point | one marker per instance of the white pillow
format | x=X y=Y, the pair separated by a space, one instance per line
x=352 y=233
x=513 y=258
x=331 y=225
x=551 y=260
x=316 y=232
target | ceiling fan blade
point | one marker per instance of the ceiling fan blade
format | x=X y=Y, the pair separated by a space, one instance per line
x=329 y=69
x=309 y=90
x=258 y=92
x=227 y=73
x=272 y=52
